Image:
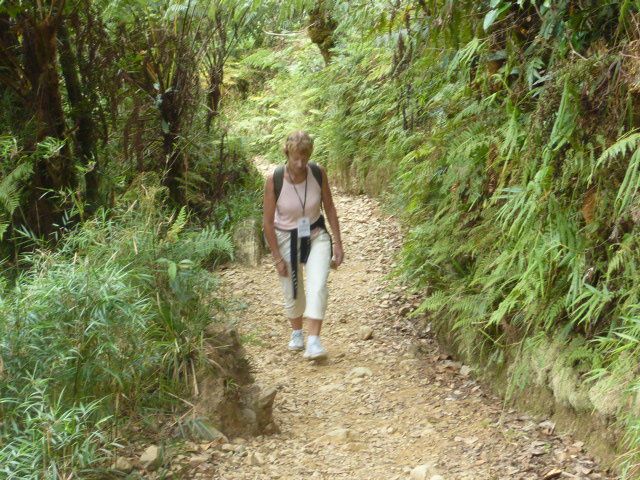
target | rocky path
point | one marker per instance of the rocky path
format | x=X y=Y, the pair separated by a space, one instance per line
x=386 y=404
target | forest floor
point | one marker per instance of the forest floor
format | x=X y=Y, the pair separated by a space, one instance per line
x=377 y=408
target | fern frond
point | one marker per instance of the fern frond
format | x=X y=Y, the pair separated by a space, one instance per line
x=625 y=144
x=178 y=225
x=10 y=186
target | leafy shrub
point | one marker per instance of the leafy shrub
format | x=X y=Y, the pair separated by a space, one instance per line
x=109 y=324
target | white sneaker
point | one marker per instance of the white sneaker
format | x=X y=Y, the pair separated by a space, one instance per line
x=315 y=350
x=297 y=340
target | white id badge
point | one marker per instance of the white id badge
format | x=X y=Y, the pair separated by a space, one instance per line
x=304 y=227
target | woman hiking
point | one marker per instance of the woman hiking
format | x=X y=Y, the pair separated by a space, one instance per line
x=297 y=236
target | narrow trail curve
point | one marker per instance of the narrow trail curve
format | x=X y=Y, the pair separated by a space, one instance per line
x=405 y=405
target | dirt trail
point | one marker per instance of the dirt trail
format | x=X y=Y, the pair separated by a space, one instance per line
x=404 y=405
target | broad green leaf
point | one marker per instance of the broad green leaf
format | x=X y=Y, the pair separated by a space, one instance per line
x=172 y=270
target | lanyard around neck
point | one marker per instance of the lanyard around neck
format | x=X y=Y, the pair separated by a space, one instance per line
x=302 y=204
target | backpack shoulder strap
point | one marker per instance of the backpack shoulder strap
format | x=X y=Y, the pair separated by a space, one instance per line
x=278 y=177
x=317 y=173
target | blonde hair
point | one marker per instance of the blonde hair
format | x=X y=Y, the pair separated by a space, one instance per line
x=299 y=141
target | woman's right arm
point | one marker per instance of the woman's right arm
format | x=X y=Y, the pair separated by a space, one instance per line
x=268 y=214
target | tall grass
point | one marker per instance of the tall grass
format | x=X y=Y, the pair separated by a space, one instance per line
x=99 y=330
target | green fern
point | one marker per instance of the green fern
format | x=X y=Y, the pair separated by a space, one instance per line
x=10 y=186
x=178 y=225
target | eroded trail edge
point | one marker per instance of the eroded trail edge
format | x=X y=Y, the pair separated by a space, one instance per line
x=380 y=406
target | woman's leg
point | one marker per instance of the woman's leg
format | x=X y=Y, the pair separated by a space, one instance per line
x=293 y=307
x=314 y=326
x=316 y=273
x=296 y=323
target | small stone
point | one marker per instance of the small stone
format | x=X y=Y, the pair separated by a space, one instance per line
x=555 y=473
x=191 y=447
x=547 y=427
x=360 y=372
x=366 y=332
x=255 y=459
x=332 y=387
x=227 y=447
x=339 y=435
x=196 y=460
x=426 y=431
x=465 y=370
x=423 y=472
x=122 y=465
x=151 y=458
x=408 y=361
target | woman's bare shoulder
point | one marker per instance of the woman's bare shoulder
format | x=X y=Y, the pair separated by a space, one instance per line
x=269 y=187
x=323 y=170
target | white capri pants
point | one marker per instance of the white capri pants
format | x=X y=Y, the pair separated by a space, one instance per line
x=311 y=301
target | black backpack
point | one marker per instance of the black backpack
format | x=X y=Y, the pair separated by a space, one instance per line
x=278 y=177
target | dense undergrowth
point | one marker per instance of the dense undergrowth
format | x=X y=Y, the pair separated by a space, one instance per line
x=101 y=332
x=120 y=187
x=506 y=135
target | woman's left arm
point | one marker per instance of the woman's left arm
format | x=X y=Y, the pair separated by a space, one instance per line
x=332 y=217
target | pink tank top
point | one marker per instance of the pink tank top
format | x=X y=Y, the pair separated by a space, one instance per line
x=289 y=205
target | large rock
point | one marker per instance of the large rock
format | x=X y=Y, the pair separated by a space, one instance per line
x=247 y=241
x=250 y=419
x=218 y=405
x=151 y=458
x=263 y=407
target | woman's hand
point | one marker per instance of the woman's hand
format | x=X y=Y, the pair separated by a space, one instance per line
x=332 y=217
x=269 y=210
x=338 y=254
x=281 y=267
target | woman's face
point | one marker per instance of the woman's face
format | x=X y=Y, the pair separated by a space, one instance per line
x=298 y=161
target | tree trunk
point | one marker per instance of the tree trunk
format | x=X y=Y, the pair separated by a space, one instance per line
x=56 y=172
x=216 y=70
x=175 y=165
x=12 y=87
x=216 y=75
x=85 y=138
